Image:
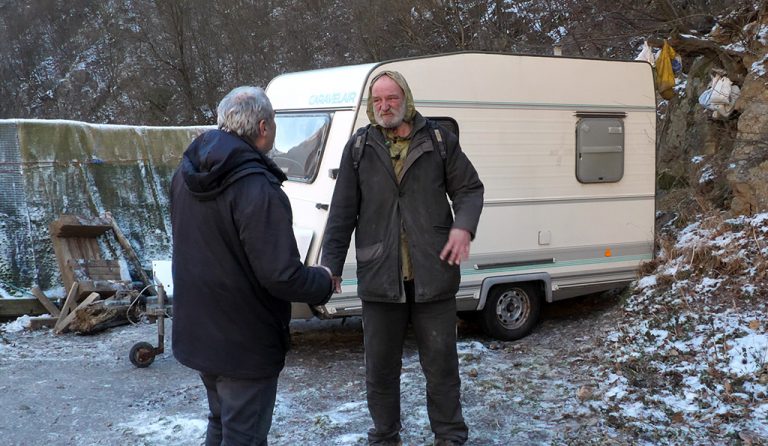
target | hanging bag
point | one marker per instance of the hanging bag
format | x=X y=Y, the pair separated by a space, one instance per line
x=665 y=76
x=646 y=54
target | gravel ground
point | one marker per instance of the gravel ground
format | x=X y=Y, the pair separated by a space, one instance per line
x=82 y=390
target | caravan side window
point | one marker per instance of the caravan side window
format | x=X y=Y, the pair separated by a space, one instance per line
x=599 y=147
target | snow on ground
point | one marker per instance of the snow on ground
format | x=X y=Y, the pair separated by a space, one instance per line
x=82 y=390
x=689 y=361
x=680 y=359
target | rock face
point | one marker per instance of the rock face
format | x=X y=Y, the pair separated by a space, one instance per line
x=722 y=162
x=748 y=167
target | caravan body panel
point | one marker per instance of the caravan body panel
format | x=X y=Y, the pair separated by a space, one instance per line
x=519 y=119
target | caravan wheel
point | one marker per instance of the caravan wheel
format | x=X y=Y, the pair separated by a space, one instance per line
x=511 y=311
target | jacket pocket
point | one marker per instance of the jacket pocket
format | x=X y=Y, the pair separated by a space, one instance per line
x=442 y=229
x=368 y=253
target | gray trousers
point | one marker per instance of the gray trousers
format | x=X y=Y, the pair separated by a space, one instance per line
x=241 y=410
x=384 y=330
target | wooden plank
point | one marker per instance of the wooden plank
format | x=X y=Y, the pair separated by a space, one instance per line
x=13 y=308
x=128 y=249
x=52 y=309
x=36 y=323
x=104 y=287
x=74 y=247
x=98 y=263
x=61 y=325
x=84 y=247
x=95 y=269
x=79 y=226
x=69 y=303
x=61 y=249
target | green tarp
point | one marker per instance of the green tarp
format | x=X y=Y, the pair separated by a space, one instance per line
x=49 y=168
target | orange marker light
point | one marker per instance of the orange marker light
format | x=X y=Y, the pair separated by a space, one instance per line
x=608 y=252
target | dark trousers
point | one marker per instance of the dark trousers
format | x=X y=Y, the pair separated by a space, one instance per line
x=384 y=329
x=241 y=410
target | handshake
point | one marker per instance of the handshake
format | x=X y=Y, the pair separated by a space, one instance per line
x=336 y=279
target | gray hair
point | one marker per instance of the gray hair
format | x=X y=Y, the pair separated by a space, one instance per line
x=242 y=109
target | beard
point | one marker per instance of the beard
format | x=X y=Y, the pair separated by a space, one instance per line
x=391 y=121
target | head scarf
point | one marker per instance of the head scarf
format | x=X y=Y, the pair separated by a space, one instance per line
x=410 y=109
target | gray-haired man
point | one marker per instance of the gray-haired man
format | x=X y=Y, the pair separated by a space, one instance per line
x=236 y=268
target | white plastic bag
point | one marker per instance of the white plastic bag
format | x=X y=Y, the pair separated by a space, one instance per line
x=704 y=99
x=723 y=111
x=721 y=90
x=646 y=54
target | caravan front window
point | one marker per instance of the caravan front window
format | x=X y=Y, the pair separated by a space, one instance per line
x=299 y=143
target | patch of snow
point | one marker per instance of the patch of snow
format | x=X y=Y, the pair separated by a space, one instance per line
x=736 y=47
x=749 y=289
x=747 y=354
x=646 y=282
x=760 y=220
x=680 y=86
x=697 y=159
x=171 y=430
x=708 y=284
x=5 y=294
x=762 y=34
x=474 y=348
x=20 y=324
x=726 y=239
x=691 y=236
x=758 y=67
x=707 y=175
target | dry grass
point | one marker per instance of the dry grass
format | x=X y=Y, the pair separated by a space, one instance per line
x=714 y=246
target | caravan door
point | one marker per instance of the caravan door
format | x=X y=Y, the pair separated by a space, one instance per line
x=315 y=112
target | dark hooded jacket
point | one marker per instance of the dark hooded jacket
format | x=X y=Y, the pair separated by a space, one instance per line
x=370 y=201
x=236 y=265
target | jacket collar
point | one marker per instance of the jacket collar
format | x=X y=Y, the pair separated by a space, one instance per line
x=415 y=149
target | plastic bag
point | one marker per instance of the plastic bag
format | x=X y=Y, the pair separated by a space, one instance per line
x=677 y=64
x=646 y=54
x=704 y=99
x=665 y=76
x=721 y=90
x=723 y=111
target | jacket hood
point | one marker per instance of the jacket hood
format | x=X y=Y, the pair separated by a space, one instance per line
x=217 y=158
x=410 y=108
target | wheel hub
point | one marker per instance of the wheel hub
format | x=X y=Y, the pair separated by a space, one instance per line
x=513 y=308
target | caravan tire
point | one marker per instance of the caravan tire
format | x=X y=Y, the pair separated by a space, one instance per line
x=511 y=311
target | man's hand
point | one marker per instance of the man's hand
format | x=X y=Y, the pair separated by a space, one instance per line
x=335 y=279
x=336 y=284
x=457 y=248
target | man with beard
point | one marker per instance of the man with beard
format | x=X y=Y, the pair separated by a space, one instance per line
x=236 y=268
x=393 y=186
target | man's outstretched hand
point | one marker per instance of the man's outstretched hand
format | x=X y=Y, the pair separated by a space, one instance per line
x=457 y=248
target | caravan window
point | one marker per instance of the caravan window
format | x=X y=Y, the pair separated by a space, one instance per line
x=299 y=143
x=599 y=147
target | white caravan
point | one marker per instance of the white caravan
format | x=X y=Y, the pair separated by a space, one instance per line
x=565 y=148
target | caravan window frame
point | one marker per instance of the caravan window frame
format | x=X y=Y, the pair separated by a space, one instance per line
x=315 y=155
x=602 y=163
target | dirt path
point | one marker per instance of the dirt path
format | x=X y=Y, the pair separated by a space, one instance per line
x=83 y=391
